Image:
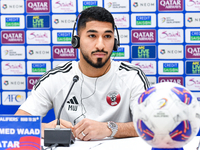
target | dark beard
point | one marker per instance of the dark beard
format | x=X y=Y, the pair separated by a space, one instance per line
x=99 y=63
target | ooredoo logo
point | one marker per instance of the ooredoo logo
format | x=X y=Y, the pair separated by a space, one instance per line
x=64 y=52
x=170 y=5
x=143 y=36
x=38 y=6
x=12 y=37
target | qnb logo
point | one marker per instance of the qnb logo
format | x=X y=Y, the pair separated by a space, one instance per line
x=135 y=4
x=190 y=19
x=59 y=4
x=6 y=83
x=162 y=51
x=14 y=98
x=56 y=21
x=4 y=6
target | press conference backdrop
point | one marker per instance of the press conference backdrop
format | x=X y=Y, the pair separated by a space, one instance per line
x=161 y=37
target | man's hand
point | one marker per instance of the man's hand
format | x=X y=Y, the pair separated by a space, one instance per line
x=52 y=124
x=91 y=129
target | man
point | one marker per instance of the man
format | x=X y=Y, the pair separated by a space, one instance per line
x=101 y=102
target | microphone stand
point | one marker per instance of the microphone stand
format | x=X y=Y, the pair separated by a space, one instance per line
x=58 y=136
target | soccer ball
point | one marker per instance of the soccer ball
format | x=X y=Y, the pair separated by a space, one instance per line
x=167 y=115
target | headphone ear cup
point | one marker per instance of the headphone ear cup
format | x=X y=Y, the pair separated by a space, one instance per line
x=75 y=42
x=115 y=47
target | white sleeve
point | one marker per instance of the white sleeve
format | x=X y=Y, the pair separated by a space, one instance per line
x=139 y=87
x=39 y=102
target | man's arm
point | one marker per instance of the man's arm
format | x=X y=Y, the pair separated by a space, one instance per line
x=88 y=129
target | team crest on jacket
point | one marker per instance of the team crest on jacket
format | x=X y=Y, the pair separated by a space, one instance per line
x=113 y=98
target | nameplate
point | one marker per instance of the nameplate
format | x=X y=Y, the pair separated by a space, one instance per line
x=20 y=132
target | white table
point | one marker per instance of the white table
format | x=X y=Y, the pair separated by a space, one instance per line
x=120 y=144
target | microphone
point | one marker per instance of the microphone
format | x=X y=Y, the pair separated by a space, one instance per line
x=58 y=136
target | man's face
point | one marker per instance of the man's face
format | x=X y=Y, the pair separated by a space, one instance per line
x=96 y=43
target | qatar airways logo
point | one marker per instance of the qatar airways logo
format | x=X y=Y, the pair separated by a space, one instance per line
x=12 y=37
x=170 y=5
x=42 y=6
x=64 y=52
x=32 y=81
x=63 y=6
x=38 y=37
x=193 y=51
x=178 y=80
x=144 y=36
x=149 y=67
x=170 y=36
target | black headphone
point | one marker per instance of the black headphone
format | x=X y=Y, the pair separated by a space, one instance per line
x=76 y=40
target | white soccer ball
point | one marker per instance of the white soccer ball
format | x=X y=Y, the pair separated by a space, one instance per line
x=167 y=115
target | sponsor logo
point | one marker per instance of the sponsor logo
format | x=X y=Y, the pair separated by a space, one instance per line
x=73 y=104
x=152 y=80
x=192 y=67
x=143 y=5
x=170 y=52
x=123 y=36
x=192 y=5
x=170 y=36
x=64 y=36
x=193 y=83
x=38 y=37
x=178 y=80
x=38 y=6
x=64 y=52
x=170 y=5
x=12 y=7
x=113 y=98
x=13 y=52
x=116 y=6
x=149 y=67
x=38 y=52
x=63 y=21
x=119 y=53
x=12 y=37
x=87 y=4
x=59 y=6
x=13 y=98
x=192 y=51
x=170 y=20
x=143 y=52
x=170 y=67
x=32 y=81
x=192 y=19
x=13 y=83
x=38 y=67
x=143 y=20
x=38 y=22
x=13 y=67
x=143 y=36
x=12 y=22
x=195 y=35
x=121 y=20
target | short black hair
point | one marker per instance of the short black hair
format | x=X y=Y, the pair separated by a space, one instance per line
x=94 y=14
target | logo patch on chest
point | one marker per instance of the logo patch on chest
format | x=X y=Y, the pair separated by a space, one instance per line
x=113 y=98
x=73 y=104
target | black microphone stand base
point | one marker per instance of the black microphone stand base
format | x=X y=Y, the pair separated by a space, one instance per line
x=62 y=137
